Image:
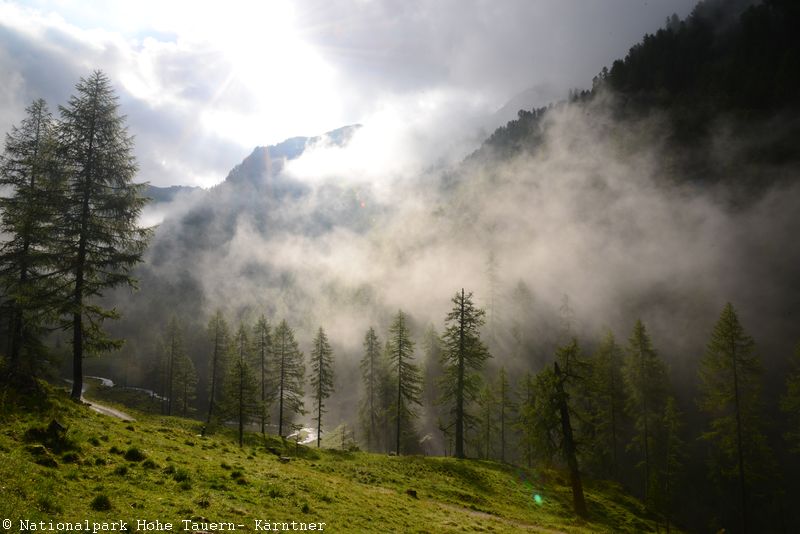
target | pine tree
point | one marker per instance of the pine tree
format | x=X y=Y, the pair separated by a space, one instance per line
x=432 y=372
x=371 y=371
x=290 y=374
x=387 y=395
x=568 y=445
x=321 y=376
x=32 y=181
x=463 y=357
x=487 y=427
x=409 y=382
x=730 y=375
x=99 y=232
x=526 y=415
x=219 y=336
x=506 y=408
x=263 y=348
x=185 y=388
x=608 y=413
x=542 y=412
x=790 y=403
x=673 y=448
x=644 y=375
x=241 y=387
x=173 y=351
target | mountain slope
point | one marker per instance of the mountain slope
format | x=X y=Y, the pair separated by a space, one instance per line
x=162 y=469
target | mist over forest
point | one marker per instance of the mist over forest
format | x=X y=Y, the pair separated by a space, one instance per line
x=657 y=196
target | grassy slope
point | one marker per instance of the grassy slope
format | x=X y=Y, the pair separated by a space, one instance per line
x=186 y=476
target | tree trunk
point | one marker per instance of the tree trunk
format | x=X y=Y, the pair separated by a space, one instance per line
x=578 y=499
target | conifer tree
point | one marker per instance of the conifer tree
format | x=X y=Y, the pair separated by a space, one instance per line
x=463 y=356
x=100 y=238
x=644 y=375
x=524 y=422
x=31 y=179
x=790 y=403
x=263 y=348
x=487 y=428
x=568 y=445
x=542 y=412
x=730 y=390
x=506 y=408
x=406 y=372
x=371 y=374
x=290 y=375
x=432 y=372
x=673 y=448
x=32 y=182
x=609 y=405
x=219 y=336
x=241 y=387
x=185 y=379
x=321 y=378
x=387 y=395
x=173 y=351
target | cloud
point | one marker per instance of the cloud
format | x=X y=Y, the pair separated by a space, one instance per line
x=203 y=84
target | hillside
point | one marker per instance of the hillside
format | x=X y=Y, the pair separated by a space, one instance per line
x=162 y=469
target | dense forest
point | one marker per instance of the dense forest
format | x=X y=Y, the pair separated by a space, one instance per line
x=621 y=269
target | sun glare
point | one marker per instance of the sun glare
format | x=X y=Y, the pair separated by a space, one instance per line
x=289 y=85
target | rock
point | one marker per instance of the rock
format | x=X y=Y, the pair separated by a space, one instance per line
x=412 y=493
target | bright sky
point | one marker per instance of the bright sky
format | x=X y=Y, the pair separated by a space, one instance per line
x=203 y=83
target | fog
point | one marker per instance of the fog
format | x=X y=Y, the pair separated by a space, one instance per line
x=344 y=236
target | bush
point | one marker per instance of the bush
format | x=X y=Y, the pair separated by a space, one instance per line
x=181 y=475
x=101 y=503
x=134 y=455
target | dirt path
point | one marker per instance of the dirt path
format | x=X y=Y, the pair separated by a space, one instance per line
x=107 y=410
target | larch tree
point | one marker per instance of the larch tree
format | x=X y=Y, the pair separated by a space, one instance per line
x=526 y=415
x=219 y=336
x=32 y=187
x=506 y=408
x=645 y=378
x=371 y=367
x=241 y=387
x=463 y=356
x=609 y=405
x=790 y=403
x=290 y=374
x=673 y=450
x=321 y=378
x=173 y=354
x=730 y=394
x=569 y=447
x=99 y=234
x=185 y=388
x=262 y=350
x=487 y=422
x=406 y=372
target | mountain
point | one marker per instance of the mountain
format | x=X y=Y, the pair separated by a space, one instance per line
x=160 y=195
x=663 y=192
x=268 y=161
x=722 y=84
x=159 y=470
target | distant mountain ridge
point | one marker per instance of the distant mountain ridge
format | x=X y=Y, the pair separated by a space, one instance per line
x=271 y=159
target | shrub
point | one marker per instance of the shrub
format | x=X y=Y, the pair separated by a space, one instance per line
x=101 y=503
x=134 y=455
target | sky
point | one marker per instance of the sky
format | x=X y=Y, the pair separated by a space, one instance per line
x=203 y=83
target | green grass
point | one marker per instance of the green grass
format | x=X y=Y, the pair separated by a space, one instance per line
x=160 y=468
